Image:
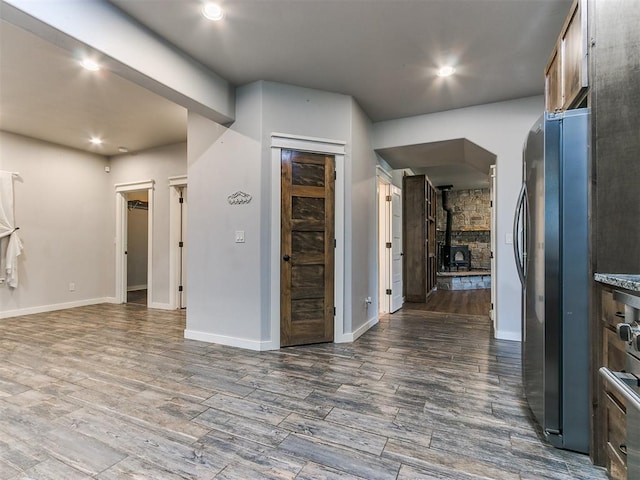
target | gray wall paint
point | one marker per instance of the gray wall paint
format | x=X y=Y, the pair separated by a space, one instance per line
x=154 y=164
x=362 y=217
x=312 y=113
x=500 y=128
x=229 y=296
x=224 y=277
x=61 y=203
x=65 y=207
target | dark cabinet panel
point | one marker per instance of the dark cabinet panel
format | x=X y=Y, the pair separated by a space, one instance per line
x=419 y=237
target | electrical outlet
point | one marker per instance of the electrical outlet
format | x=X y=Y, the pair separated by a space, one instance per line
x=239 y=236
x=72 y=287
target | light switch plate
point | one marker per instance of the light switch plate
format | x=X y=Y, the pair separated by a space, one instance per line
x=239 y=236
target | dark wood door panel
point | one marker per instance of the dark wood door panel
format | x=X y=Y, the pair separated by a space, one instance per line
x=307 y=236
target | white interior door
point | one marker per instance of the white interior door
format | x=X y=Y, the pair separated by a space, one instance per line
x=183 y=250
x=384 y=253
x=397 y=299
x=494 y=227
x=122 y=190
x=178 y=240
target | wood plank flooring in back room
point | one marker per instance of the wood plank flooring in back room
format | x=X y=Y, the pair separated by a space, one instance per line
x=467 y=302
x=116 y=392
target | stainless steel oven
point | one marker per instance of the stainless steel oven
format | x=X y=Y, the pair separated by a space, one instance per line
x=627 y=382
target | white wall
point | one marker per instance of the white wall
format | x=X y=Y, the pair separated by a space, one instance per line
x=61 y=203
x=65 y=208
x=229 y=296
x=154 y=164
x=311 y=113
x=500 y=128
x=361 y=216
x=226 y=279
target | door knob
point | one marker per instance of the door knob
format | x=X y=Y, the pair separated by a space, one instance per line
x=286 y=258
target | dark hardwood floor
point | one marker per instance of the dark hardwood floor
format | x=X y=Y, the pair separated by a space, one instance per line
x=115 y=392
x=137 y=297
x=465 y=302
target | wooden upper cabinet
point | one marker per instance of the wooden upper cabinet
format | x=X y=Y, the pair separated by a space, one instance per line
x=553 y=83
x=566 y=72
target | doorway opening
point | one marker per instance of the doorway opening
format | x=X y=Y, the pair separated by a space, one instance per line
x=178 y=216
x=126 y=192
x=464 y=281
x=137 y=246
x=335 y=149
x=390 y=256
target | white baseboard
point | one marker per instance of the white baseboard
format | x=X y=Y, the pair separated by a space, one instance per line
x=505 y=335
x=229 y=341
x=353 y=336
x=161 y=306
x=57 y=306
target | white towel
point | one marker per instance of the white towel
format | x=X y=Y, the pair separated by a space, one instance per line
x=10 y=244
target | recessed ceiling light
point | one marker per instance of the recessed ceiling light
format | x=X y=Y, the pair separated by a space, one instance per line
x=90 y=65
x=96 y=140
x=212 y=11
x=123 y=149
x=446 y=71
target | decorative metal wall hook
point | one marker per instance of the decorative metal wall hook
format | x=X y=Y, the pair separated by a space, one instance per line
x=239 y=198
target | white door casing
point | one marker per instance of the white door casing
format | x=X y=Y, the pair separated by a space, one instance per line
x=384 y=257
x=336 y=148
x=397 y=299
x=122 y=189
x=389 y=244
x=178 y=214
x=494 y=229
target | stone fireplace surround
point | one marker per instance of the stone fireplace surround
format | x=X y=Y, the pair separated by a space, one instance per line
x=471 y=224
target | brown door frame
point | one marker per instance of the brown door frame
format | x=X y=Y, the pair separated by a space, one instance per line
x=336 y=148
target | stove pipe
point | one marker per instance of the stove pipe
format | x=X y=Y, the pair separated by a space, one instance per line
x=447 y=208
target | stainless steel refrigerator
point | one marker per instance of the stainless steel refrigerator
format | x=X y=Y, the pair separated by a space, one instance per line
x=551 y=245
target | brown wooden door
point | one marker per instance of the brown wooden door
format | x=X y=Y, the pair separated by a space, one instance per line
x=307 y=248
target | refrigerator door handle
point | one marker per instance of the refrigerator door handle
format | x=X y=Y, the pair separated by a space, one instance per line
x=517 y=219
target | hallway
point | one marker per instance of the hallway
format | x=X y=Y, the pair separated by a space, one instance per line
x=109 y=391
x=465 y=302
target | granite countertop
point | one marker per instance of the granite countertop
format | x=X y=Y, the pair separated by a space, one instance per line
x=621 y=280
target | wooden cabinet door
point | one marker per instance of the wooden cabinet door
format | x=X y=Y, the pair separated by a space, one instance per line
x=566 y=72
x=307 y=248
x=553 y=83
x=574 y=55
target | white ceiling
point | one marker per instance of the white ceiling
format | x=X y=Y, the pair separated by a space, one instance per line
x=458 y=162
x=382 y=52
x=45 y=94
